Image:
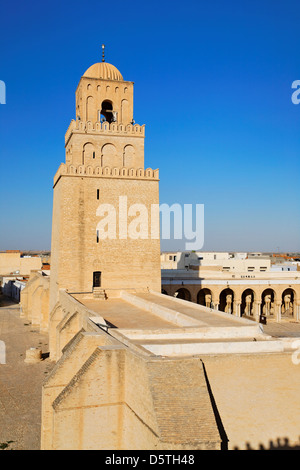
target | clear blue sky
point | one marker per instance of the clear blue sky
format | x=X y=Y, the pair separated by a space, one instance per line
x=212 y=84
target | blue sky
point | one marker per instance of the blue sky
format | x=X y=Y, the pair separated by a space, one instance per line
x=212 y=84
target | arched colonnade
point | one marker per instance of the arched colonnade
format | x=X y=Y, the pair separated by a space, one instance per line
x=271 y=301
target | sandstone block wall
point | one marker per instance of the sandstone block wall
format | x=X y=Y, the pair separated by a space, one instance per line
x=102 y=395
x=35 y=301
x=124 y=263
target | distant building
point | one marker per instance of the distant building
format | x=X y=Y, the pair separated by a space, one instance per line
x=12 y=286
x=239 y=284
x=13 y=262
x=214 y=261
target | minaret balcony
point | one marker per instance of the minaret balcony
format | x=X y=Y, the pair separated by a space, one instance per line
x=106 y=172
x=104 y=128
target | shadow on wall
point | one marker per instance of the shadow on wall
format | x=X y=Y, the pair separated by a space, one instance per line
x=280 y=444
x=7 y=302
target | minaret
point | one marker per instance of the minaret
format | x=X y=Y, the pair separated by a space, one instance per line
x=104 y=168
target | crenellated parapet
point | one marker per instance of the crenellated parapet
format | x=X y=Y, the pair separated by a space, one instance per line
x=104 y=128
x=106 y=172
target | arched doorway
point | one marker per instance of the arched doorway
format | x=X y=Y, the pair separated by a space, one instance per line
x=226 y=300
x=247 y=305
x=204 y=297
x=268 y=302
x=183 y=294
x=163 y=291
x=287 y=303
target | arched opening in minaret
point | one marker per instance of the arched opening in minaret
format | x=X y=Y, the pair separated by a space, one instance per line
x=107 y=113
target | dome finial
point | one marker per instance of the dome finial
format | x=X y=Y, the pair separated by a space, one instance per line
x=103 y=47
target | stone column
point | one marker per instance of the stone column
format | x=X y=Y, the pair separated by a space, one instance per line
x=257 y=310
x=237 y=308
x=297 y=312
x=193 y=297
x=278 y=311
x=216 y=305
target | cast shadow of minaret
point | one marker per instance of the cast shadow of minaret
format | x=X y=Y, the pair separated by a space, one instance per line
x=223 y=435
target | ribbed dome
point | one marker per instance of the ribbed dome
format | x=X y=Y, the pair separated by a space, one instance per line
x=103 y=70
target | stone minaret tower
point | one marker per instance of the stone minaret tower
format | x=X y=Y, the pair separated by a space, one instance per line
x=104 y=177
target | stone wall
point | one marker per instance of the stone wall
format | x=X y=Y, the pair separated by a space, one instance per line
x=35 y=300
x=103 y=395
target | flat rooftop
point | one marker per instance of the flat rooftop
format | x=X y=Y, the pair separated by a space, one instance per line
x=150 y=311
x=205 y=317
x=161 y=325
x=122 y=314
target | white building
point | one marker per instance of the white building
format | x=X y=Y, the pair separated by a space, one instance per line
x=214 y=261
x=11 y=286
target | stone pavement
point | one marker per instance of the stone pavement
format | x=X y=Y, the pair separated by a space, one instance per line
x=20 y=383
